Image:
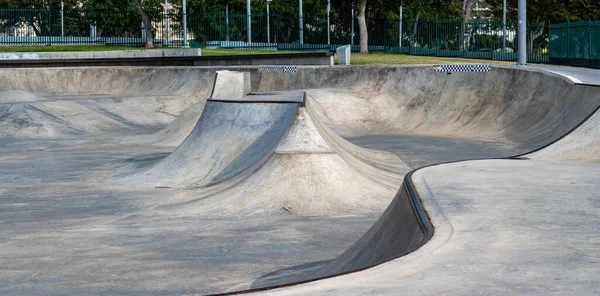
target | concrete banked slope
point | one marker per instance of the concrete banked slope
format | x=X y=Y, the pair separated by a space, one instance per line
x=507 y=111
x=502 y=226
x=229 y=138
x=403 y=227
x=277 y=148
x=54 y=103
x=526 y=120
x=496 y=105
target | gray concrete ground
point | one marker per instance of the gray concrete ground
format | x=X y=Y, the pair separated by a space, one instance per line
x=500 y=226
x=577 y=75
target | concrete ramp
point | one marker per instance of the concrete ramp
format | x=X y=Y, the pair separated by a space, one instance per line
x=308 y=173
x=227 y=84
x=583 y=144
x=235 y=133
x=228 y=139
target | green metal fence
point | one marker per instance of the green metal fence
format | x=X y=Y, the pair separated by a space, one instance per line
x=444 y=38
x=571 y=43
x=52 y=26
x=576 y=44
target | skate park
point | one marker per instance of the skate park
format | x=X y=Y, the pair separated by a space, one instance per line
x=336 y=180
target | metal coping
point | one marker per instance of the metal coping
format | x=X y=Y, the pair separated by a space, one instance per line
x=298 y=97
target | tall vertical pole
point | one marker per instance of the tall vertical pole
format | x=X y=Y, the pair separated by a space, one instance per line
x=166 y=22
x=268 y=23
x=400 y=33
x=328 y=22
x=227 y=22
x=504 y=27
x=352 y=33
x=249 y=20
x=301 y=19
x=185 y=38
x=522 y=56
x=62 y=18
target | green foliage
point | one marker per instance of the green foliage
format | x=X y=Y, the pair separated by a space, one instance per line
x=550 y=10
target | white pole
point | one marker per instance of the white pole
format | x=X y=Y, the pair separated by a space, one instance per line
x=227 y=22
x=143 y=32
x=328 y=22
x=185 y=41
x=62 y=18
x=167 y=22
x=268 y=24
x=400 y=34
x=249 y=15
x=522 y=56
x=301 y=25
x=504 y=27
x=352 y=33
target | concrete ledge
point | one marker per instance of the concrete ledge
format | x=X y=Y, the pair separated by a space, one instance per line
x=116 y=54
x=315 y=58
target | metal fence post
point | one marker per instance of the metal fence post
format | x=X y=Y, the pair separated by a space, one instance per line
x=227 y=22
x=185 y=41
x=522 y=56
x=166 y=23
x=504 y=28
x=352 y=32
x=62 y=18
x=268 y=23
x=249 y=20
x=400 y=29
x=301 y=23
x=329 y=22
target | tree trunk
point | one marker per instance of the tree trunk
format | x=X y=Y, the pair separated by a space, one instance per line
x=413 y=37
x=534 y=34
x=147 y=23
x=362 y=26
x=467 y=7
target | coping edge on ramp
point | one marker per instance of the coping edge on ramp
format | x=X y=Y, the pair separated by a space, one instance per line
x=298 y=97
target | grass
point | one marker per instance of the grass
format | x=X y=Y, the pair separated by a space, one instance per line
x=224 y=52
x=357 y=58
x=394 y=58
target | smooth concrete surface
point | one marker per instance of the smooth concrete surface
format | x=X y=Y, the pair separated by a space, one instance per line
x=575 y=74
x=502 y=227
x=112 y=54
x=316 y=207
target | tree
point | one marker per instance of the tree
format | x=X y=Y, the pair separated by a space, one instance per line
x=467 y=8
x=361 y=10
x=147 y=24
x=42 y=16
x=539 y=12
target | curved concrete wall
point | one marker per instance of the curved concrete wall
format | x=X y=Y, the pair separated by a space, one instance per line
x=528 y=108
x=122 y=81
